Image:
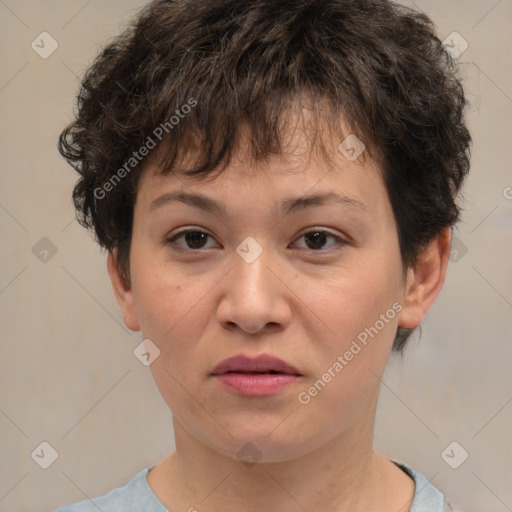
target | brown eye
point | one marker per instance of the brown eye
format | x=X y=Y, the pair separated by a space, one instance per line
x=317 y=240
x=190 y=239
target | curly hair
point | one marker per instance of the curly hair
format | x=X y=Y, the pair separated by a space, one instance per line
x=188 y=70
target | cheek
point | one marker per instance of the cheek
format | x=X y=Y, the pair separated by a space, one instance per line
x=173 y=316
x=166 y=302
x=361 y=310
x=352 y=302
x=352 y=358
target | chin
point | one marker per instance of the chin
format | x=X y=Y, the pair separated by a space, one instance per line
x=264 y=442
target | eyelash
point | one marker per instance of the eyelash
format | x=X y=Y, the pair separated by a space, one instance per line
x=172 y=240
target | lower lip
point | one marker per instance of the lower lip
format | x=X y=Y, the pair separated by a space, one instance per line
x=256 y=384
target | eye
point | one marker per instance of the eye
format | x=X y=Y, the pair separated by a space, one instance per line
x=317 y=239
x=193 y=239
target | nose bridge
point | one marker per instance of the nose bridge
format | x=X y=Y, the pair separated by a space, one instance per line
x=253 y=298
x=252 y=273
x=251 y=261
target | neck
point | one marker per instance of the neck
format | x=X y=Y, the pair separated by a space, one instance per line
x=344 y=474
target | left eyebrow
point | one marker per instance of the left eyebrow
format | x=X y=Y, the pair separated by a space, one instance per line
x=301 y=203
x=288 y=206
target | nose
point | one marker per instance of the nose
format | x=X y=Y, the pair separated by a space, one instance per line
x=254 y=298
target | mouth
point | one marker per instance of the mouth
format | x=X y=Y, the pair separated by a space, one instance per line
x=263 y=364
x=275 y=372
x=261 y=376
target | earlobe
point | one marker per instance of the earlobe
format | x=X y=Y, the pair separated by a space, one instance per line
x=425 y=280
x=123 y=293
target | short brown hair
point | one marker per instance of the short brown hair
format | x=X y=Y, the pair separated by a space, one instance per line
x=378 y=65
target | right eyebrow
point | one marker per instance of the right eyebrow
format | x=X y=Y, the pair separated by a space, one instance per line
x=197 y=200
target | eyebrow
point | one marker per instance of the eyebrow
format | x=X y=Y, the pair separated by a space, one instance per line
x=290 y=205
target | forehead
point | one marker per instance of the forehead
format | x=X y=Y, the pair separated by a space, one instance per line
x=308 y=127
x=309 y=151
x=281 y=184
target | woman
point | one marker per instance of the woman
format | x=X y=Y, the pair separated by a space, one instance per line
x=275 y=184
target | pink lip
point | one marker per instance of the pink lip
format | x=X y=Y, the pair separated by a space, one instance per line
x=260 y=376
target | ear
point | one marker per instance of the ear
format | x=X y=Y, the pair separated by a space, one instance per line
x=425 y=280
x=123 y=293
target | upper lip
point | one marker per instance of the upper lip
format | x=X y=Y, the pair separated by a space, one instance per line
x=262 y=364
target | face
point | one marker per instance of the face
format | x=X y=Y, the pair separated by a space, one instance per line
x=292 y=265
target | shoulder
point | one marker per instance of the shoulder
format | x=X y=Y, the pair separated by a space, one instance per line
x=427 y=498
x=135 y=495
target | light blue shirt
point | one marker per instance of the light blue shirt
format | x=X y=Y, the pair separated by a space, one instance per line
x=137 y=496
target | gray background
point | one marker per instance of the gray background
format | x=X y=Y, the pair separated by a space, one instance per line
x=68 y=374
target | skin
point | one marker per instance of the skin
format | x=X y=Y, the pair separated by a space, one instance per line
x=302 y=303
